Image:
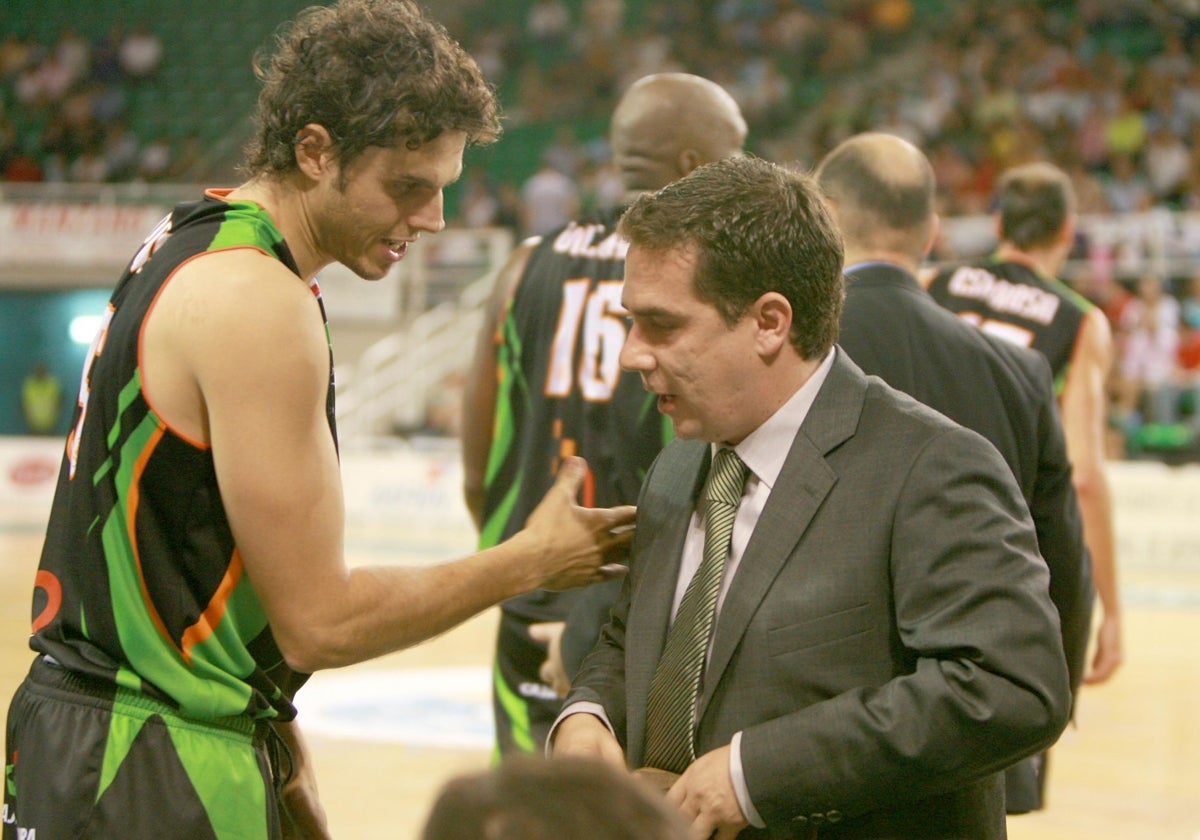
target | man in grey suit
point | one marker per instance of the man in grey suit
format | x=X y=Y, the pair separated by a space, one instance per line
x=883 y=643
x=881 y=192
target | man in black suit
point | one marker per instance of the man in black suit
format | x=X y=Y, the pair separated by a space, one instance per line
x=880 y=188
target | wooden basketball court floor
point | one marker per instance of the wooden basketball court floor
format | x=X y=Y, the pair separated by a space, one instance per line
x=1129 y=768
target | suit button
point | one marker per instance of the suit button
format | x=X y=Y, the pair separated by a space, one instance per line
x=816 y=819
x=834 y=816
x=800 y=820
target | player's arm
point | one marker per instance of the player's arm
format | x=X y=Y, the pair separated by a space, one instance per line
x=479 y=393
x=1084 y=412
x=247 y=335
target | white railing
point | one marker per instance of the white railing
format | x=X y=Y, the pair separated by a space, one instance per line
x=1125 y=246
x=390 y=387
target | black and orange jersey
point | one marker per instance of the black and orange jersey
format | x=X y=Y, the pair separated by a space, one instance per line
x=140 y=581
x=561 y=390
x=1017 y=303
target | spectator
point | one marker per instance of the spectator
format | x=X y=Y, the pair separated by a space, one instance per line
x=549 y=199
x=1125 y=188
x=90 y=167
x=41 y=401
x=15 y=53
x=548 y=23
x=155 y=160
x=141 y=53
x=564 y=152
x=1149 y=336
x=479 y=204
x=1168 y=162
x=121 y=151
x=1125 y=130
x=1189 y=353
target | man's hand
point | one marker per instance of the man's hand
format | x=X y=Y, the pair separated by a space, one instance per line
x=585 y=735
x=552 y=672
x=573 y=543
x=705 y=795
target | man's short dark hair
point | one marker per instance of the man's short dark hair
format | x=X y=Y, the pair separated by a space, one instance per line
x=1034 y=202
x=755 y=227
x=528 y=797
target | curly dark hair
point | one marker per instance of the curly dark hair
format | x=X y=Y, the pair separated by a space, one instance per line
x=373 y=73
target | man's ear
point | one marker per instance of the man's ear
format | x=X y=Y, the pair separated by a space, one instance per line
x=314 y=150
x=1066 y=234
x=773 y=321
x=688 y=160
x=832 y=207
x=935 y=224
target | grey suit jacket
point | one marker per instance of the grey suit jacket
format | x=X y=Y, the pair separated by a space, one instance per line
x=887 y=644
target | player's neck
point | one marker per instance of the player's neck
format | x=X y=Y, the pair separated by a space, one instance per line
x=1041 y=261
x=285 y=206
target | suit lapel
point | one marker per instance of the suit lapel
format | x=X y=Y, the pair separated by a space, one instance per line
x=803 y=483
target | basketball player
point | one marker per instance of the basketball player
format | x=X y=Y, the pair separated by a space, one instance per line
x=545 y=383
x=1016 y=294
x=193 y=570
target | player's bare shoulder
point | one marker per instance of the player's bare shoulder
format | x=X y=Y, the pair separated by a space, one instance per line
x=1096 y=338
x=223 y=320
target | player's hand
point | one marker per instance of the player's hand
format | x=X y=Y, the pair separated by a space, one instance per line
x=585 y=735
x=1108 y=655
x=705 y=795
x=552 y=671
x=573 y=545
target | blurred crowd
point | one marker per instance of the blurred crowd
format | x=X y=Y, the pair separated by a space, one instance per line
x=1155 y=386
x=76 y=93
x=1106 y=89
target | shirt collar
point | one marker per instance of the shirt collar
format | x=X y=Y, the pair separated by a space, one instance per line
x=766 y=448
x=869 y=264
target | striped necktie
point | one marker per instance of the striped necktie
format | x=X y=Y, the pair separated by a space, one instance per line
x=671 y=707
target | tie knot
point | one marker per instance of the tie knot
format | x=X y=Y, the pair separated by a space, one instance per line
x=726 y=478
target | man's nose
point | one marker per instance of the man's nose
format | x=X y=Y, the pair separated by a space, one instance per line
x=429 y=218
x=634 y=356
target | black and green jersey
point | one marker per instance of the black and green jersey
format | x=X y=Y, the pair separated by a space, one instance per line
x=140 y=581
x=1015 y=302
x=562 y=392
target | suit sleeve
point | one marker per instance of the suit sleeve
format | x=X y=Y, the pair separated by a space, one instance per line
x=985 y=682
x=584 y=622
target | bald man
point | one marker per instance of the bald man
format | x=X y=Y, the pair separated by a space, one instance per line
x=880 y=189
x=545 y=383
